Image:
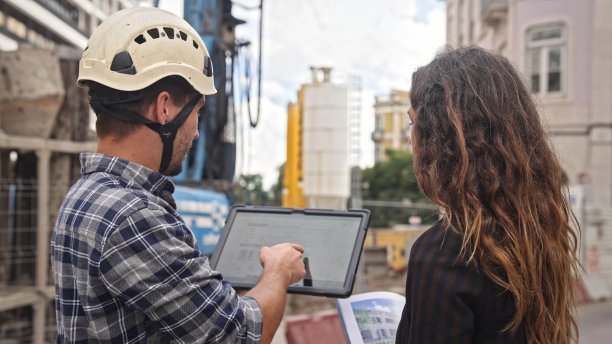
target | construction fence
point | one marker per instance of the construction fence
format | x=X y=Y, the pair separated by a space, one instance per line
x=387 y=214
x=32 y=187
x=44 y=124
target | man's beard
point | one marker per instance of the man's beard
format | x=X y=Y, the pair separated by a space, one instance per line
x=176 y=163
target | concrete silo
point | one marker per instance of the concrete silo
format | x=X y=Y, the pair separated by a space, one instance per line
x=326 y=172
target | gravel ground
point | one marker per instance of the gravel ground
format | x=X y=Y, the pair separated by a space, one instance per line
x=306 y=304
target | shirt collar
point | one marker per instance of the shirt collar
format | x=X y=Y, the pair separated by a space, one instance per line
x=156 y=183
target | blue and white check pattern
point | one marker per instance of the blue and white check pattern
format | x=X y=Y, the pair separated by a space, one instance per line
x=127 y=268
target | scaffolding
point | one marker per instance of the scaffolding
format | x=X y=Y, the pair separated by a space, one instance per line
x=29 y=205
x=44 y=124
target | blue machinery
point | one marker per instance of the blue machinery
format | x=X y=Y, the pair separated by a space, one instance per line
x=204 y=211
x=214 y=153
x=213 y=157
x=210 y=164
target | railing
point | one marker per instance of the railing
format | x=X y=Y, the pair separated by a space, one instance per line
x=33 y=183
x=486 y=4
x=492 y=11
x=386 y=214
x=64 y=10
x=377 y=135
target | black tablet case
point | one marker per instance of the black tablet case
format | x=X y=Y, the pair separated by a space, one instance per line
x=307 y=287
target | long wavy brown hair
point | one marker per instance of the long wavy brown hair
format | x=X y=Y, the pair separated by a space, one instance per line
x=482 y=155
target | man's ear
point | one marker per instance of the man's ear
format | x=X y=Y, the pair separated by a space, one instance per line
x=161 y=110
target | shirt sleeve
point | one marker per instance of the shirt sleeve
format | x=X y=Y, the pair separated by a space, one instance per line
x=440 y=292
x=151 y=264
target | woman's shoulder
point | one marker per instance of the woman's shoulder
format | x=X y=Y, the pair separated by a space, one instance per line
x=440 y=238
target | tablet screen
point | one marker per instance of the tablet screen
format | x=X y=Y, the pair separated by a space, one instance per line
x=330 y=240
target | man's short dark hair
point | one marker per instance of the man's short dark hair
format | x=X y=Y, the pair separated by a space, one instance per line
x=108 y=125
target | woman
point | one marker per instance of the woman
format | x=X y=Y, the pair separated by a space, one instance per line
x=500 y=265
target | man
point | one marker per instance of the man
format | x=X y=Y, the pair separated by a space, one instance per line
x=126 y=267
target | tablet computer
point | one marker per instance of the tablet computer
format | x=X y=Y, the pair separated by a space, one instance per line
x=332 y=239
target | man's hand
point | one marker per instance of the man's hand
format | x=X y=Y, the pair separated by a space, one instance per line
x=283 y=259
x=282 y=266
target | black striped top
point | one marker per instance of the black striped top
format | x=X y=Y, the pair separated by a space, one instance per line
x=448 y=301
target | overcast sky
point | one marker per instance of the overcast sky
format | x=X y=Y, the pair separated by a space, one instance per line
x=382 y=42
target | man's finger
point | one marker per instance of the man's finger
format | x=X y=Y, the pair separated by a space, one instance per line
x=298 y=247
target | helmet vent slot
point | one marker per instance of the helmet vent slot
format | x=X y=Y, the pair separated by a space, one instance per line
x=169 y=32
x=183 y=35
x=208 y=66
x=140 y=39
x=122 y=63
x=154 y=33
x=195 y=45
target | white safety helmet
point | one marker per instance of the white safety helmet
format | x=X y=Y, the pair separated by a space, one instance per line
x=136 y=47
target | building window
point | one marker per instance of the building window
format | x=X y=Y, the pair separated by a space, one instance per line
x=366 y=334
x=546 y=59
x=378 y=123
x=378 y=153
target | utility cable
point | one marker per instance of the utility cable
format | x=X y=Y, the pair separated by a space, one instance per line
x=254 y=123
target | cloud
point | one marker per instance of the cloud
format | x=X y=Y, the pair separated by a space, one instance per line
x=382 y=44
x=381 y=308
x=262 y=150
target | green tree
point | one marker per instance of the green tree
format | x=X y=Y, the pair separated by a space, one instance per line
x=392 y=180
x=249 y=190
x=277 y=188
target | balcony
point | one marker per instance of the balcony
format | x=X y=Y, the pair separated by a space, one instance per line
x=493 y=11
x=63 y=10
x=377 y=135
x=406 y=134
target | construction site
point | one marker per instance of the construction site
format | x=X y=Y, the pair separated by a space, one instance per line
x=46 y=121
x=44 y=126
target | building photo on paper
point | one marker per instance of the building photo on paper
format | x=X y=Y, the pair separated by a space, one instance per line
x=371 y=318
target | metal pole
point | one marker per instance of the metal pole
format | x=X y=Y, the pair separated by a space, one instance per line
x=42 y=241
x=261 y=13
x=39 y=321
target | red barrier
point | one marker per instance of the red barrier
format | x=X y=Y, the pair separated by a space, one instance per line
x=321 y=327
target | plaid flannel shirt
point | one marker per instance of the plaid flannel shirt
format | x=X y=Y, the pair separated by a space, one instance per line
x=127 y=268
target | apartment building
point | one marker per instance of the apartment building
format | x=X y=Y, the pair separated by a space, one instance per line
x=49 y=23
x=563 y=48
x=391 y=124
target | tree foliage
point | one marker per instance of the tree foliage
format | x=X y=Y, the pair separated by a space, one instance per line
x=392 y=180
x=277 y=188
x=249 y=190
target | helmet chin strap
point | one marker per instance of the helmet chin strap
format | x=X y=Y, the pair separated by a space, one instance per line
x=167 y=132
